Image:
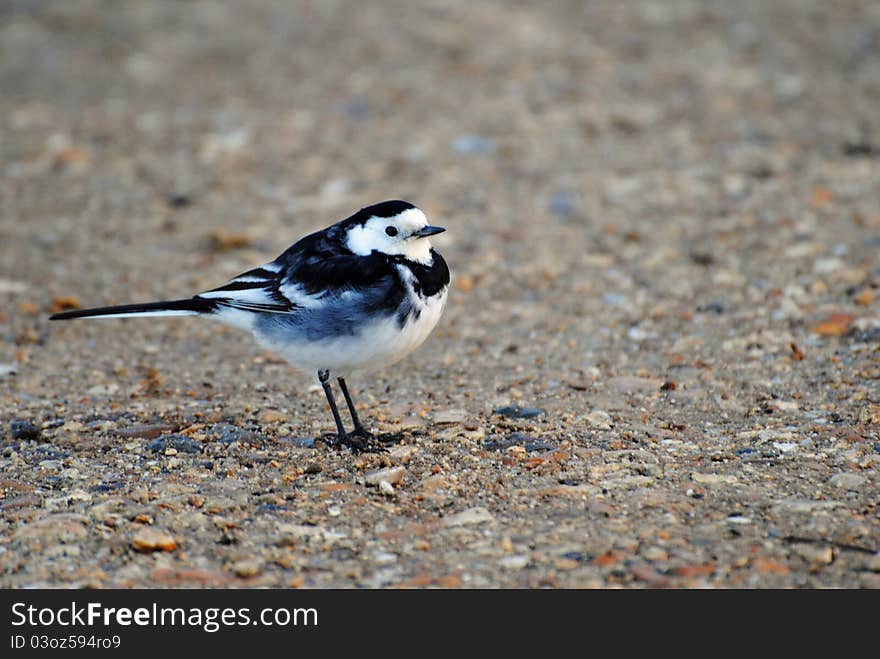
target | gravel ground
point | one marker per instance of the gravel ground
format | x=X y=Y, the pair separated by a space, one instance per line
x=660 y=358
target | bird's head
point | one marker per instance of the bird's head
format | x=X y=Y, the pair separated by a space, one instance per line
x=395 y=228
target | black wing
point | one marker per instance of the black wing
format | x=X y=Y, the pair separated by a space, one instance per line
x=315 y=268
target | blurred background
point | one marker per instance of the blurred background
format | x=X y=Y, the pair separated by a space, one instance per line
x=620 y=180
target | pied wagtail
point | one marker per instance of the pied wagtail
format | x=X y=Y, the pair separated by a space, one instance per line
x=363 y=293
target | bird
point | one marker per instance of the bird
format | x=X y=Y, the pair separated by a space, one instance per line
x=358 y=295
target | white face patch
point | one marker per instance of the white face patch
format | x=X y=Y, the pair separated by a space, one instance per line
x=373 y=235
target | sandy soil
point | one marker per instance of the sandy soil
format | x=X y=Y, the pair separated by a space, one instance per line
x=664 y=233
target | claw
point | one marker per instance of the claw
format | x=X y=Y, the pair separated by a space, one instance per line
x=358 y=441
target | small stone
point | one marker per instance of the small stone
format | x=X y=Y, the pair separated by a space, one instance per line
x=514 y=562
x=837 y=324
x=476 y=515
x=847 y=481
x=180 y=443
x=864 y=297
x=813 y=554
x=599 y=419
x=615 y=299
x=788 y=506
x=249 y=567
x=402 y=452
x=103 y=389
x=627 y=482
x=434 y=482
x=473 y=144
x=149 y=539
x=272 y=416
x=655 y=554
x=562 y=204
x=226 y=433
x=12 y=286
x=450 y=416
x=301 y=442
x=24 y=430
x=391 y=475
x=714 y=479
x=26 y=501
x=516 y=412
x=386 y=488
x=147 y=432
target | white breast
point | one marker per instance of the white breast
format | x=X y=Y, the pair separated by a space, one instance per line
x=379 y=343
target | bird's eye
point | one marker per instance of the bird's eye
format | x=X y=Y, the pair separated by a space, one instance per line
x=391 y=231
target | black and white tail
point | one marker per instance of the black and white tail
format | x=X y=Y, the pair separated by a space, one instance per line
x=191 y=307
x=235 y=303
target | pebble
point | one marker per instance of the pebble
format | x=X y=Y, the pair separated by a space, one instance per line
x=514 y=562
x=476 y=515
x=26 y=501
x=386 y=488
x=473 y=144
x=103 y=389
x=8 y=369
x=434 y=482
x=272 y=416
x=147 y=432
x=249 y=567
x=516 y=412
x=63 y=527
x=226 y=433
x=615 y=299
x=180 y=443
x=815 y=555
x=355 y=108
x=847 y=481
x=562 y=204
x=24 y=430
x=12 y=286
x=627 y=482
x=655 y=554
x=391 y=475
x=149 y=539
x=450 y=416
x=402 y=452
x=788 y=506
x=385 y=558
x=300 y=442
x=599 y=419
x=714 y=479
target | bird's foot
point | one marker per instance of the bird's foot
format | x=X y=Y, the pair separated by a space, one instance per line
x=358 y=440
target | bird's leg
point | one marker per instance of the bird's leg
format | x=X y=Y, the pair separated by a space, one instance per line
x=359 y=429
x=324 y=379
x=358 y=440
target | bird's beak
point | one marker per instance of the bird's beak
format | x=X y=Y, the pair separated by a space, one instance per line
x=424 y=232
